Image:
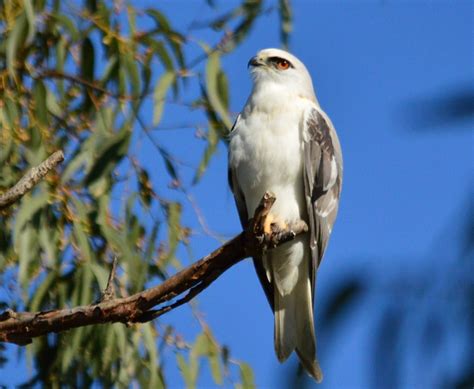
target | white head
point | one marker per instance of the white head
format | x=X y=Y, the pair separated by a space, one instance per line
x=271 y=68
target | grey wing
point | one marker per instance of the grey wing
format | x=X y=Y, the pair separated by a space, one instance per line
x=238 y=197
x=244 y=219
x=322 y=181
x=234 y=187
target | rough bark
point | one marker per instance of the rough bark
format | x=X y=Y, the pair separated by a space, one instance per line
x=29 y=180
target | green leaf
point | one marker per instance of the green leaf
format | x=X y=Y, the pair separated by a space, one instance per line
x=61 y=54
x=15 y=42
x=110 y=72
x=145 y=187
x=212 y=142
x=160 y=19
x=173 y=213
x=49 y=239
x=169 y=164
x=162 y=54
x=83 y=157
x=185 y=371
x=107 y=155
x=24 y=247
x=214 y=360
x=173 y=38
x=52 y=104
x=29 y=206
x=132 y=70
x=217 y=91
x=68 y=25
x=159 y=95
x=37 y=302
x=30 y=16
x=200 y=346
x=6 y=141
x=12 y=113
x=118 y=241
x=41 y=110
x=73 y=350
x=87 y=70
x=250 y=10
x=223 y=89
x=132 y=19
x=246 y=376
x=286 y=18
x=101 y=274
x=87 y=60
x=91 y=5
x=86 y=284
x=149 y=343
x=110 y=347
x=79 y=232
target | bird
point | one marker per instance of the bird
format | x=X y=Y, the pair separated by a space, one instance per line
x=284 y=143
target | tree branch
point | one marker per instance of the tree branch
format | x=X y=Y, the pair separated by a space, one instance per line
x=21 y=327
x=30 y=179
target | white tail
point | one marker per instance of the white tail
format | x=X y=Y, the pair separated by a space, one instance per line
x=294 y=324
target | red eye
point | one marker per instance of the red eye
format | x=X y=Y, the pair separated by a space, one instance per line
x=282 y=64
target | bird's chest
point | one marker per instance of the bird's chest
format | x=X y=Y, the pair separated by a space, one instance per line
x=266 y=151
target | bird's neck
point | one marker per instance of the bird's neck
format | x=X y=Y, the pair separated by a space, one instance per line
x=270 y=97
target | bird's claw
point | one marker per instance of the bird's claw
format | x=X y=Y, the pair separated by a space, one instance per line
x=261 y=238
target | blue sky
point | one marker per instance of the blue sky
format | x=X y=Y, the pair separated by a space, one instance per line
x=374 y=64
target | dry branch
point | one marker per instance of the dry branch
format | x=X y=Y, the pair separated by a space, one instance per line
x=21 y=327
x=29 y=180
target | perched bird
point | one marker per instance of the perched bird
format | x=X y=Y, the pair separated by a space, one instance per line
x=284 y=143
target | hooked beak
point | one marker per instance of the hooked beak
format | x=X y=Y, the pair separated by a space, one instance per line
x=255 y=61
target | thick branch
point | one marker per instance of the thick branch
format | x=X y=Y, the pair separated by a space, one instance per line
x=21 y=327
x=29 y=180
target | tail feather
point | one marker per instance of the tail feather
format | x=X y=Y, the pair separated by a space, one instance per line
x=294 y=324
x=285 y=326
x=306 y=337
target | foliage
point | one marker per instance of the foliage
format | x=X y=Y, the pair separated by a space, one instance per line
x=80 y=79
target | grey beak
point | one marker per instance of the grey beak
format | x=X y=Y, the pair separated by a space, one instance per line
x=254 y=61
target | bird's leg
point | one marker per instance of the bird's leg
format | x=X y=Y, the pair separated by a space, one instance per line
x=268 y=230
x=273 y=229
x=273 y=224
x=284 y=232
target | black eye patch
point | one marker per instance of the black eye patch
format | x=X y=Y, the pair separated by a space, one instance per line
x=278 y=61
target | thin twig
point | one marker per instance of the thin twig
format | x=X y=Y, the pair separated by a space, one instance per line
x=109 y=291
x=30 y=179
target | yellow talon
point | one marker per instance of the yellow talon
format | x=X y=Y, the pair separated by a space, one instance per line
x=272 y=224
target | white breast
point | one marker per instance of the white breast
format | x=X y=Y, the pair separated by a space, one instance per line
x=266 y=154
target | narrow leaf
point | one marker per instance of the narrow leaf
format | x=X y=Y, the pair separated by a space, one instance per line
x=68 y=25
x=15 y=42
x=185 y=371
x=159 y=95
x=41 y=111
x=246 y=376
x=286 y=18
x=218 y=103
x=30 y=16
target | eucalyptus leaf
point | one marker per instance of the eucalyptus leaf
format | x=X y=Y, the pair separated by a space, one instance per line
x=15 y=42
x=246 y=376
x=217 y=91
x=41 y=110
x=161 y=89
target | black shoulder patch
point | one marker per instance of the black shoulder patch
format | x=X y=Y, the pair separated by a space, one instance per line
x=319 y=132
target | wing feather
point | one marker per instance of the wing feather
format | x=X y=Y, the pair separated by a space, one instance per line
x=322 y=181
